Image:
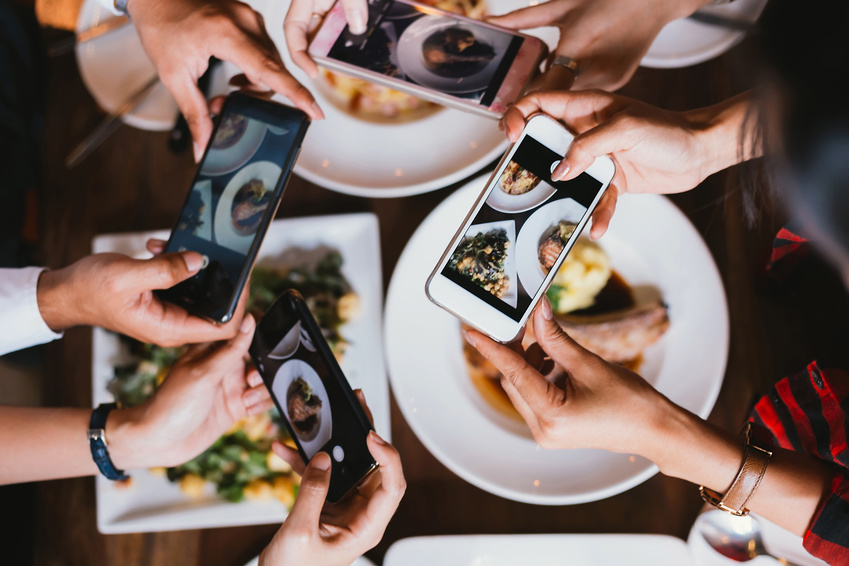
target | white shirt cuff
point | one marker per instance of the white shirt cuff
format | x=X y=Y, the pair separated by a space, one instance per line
x=21 y=325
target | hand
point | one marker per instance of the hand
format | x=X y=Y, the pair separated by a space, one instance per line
x=181 y=35
x=335 y=535
x=654 y=150
x=599 y=405
x=204 y=394
x=116 y=292
x=607 y=38
x=303 y=19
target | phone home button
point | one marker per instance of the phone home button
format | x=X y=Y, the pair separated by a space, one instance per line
x=338 y=453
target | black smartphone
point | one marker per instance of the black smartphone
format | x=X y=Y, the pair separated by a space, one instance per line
x=234 y=197
x=311 y=392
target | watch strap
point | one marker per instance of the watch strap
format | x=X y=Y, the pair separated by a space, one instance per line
x=121 y=6
x=97 y=442
x=756 y=457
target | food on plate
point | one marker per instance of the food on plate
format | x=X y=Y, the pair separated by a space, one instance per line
x=230 y=131
x=455 y=52
x=191 y=219
x=304 y=408
x=480 y=259
x=618 y=336
x=248 y=206
x=240 y=464
x=551 y=248
x=516 y=180
x=581 y=277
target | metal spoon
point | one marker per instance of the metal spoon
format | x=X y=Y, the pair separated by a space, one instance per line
x=736 y=538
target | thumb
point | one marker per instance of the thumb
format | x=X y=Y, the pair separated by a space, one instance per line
x=526 y=18
x=166 y=270
x=564 y=351
x=311 y=495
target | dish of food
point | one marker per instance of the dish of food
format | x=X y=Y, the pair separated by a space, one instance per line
x=485 y=257
x=242 y=204
x=196 y=218
x=516 y=180
x=305 y=408
x=541 y=550
x=334 y=261
x=551 y=247
x=248 y=206
x=455 y=52
x=299 y=388
x=237 y=140
x=482 y=444
x=519 y=190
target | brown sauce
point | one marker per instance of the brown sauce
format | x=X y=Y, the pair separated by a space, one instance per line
x=616 y=295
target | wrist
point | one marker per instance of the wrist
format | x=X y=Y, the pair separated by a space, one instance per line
x=724 y=133
x=54 y=303
x=122 y=436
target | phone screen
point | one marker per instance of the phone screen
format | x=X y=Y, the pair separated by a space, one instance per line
x=521 y=230
x=236 y=190
x=311 y=393
x=406 y=42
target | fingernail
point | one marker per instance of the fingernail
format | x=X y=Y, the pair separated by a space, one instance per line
x=561 y=171
x=468 y=338
x=247 y=324
x=546 y=309
x=194 y=261
x=321 y=461
x=374 y=436
x=357 y=22
x=500 y=126
x=197 y=152
x=317 y=112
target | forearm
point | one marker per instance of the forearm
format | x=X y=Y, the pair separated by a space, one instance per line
x=44 y=444
x=727 y=132
x=692 y=449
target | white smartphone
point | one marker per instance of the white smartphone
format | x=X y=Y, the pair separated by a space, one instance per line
x=509 y=248
x=432 y=54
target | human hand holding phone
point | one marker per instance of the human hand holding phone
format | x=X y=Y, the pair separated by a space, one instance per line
x=116 y=292
x=316 y=532
x=303 y=19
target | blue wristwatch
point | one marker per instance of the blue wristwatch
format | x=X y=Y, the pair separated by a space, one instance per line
x=97 y=441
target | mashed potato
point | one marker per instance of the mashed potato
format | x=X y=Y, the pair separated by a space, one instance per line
x=583 y=274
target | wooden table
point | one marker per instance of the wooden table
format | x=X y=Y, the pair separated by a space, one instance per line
x=133 y=183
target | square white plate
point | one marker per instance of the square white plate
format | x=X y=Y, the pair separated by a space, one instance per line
x=540 y=550
x=152 y=503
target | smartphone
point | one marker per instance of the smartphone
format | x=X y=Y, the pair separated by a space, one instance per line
x=234 y=196
x=511 y=244
x=311 y=392
x=435 y=55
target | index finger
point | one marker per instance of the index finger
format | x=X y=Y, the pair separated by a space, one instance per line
x=296 y=28
x=579 y=110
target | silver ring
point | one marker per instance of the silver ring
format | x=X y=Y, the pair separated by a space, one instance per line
x=566 y=62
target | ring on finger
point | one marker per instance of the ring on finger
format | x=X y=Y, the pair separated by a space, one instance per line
x=566 y=62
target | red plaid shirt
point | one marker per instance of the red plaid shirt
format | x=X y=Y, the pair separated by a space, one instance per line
x=807 y=412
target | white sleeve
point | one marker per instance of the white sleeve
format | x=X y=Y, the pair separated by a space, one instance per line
x=21 y=325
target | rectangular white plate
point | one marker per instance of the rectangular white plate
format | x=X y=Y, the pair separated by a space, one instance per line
x=540 y=550
x=152 y=503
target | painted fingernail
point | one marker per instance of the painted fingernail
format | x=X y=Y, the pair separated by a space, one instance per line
x=194 y=261
x=197 y=152
x=247 y=324
x=377 y=438
x=561 y=171
x=321 y=461
x=357 y=22
x=468 y=338
x=546 y=309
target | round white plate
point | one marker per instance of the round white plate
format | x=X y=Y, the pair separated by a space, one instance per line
x=225 y=233
x=650 y=243
x=371 y=159
x=221 y=161
x=504 y=202
x=685 y=42
x=541 y=223
x=412 y=63
x=289 y=372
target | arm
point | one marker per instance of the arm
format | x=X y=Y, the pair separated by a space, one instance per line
x=654 y=150
x=203 y=395
x=606 y=406
x=116 y=292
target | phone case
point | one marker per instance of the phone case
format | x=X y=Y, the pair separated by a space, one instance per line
x=516 y=80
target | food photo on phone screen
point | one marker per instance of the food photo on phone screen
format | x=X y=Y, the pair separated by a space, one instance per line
x=449 y=55
x=232 y=190
x=519 y=233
